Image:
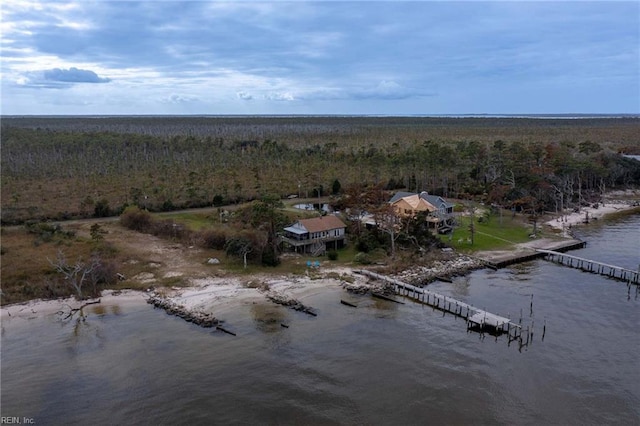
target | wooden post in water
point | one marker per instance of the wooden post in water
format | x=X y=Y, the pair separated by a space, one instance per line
x=531 y=306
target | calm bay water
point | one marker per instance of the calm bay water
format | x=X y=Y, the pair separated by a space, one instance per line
x=380 y=364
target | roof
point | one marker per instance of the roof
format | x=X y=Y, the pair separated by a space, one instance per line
x=399 y=195
x=415 y=203
x=295 y=230
x=434 y=200
x=322 y=223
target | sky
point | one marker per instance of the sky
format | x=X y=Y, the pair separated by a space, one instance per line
x=327 y=57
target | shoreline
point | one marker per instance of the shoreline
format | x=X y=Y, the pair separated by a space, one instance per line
x=39 y=308
x=612 y=203
x=220 y=295
x=212 y=295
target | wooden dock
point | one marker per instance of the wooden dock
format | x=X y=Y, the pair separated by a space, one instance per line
x=476 y=319
x=504 y=258
x=587 y=265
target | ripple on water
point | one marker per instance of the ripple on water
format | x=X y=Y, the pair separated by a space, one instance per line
x=380 y=363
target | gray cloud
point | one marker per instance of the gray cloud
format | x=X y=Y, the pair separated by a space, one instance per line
x=73 y=75
x=311 y=54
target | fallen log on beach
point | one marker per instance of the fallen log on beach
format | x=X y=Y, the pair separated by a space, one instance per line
x=344 y=302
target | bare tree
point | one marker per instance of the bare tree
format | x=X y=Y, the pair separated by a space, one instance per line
x=79 y=274
x=388 y=221
x=239 y=247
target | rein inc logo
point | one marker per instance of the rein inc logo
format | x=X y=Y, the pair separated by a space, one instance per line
x=6 y=420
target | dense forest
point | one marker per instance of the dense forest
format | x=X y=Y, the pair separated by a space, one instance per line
x=65 y=167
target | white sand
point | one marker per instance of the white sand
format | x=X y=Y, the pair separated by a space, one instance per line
x=220 y=294
x=215 y=295
x=572 y=219
x=38 y=308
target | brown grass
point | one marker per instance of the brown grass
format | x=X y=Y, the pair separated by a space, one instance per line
x=26 y=269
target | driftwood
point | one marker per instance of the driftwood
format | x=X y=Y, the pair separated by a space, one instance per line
x=344 y=302
x=225 y=330
x=73 y=311
x=382 y=296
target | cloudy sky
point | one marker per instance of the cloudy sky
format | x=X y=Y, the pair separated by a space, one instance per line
x=327 y=57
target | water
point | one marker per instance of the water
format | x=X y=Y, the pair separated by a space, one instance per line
x=379 y=364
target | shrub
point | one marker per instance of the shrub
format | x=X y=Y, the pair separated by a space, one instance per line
x=168 y=228
x=167 y=205
x=362 y=258
x=136 y=219
x=218 y=200
x=332 y=255
x=213 y=239
x=367 y=242
x=46 y=232
x=101 y=208
x=270 y=257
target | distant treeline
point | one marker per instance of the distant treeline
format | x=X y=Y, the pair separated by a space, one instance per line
x=59 y=168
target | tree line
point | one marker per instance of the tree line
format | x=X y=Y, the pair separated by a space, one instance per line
x=67 y=167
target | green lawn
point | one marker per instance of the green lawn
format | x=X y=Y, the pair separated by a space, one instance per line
x=489 y=234
x=194 y=220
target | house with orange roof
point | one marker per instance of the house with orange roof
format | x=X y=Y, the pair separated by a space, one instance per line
x=439 y=212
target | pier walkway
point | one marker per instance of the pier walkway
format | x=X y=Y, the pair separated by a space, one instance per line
x=587 y=265
x=476 y=318
x=525 y=252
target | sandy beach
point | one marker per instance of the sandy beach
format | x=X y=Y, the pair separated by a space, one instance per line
x=21 y=312
x=614 y=202
x=213 y=295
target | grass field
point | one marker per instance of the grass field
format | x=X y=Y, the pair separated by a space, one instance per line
x=492 y=233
